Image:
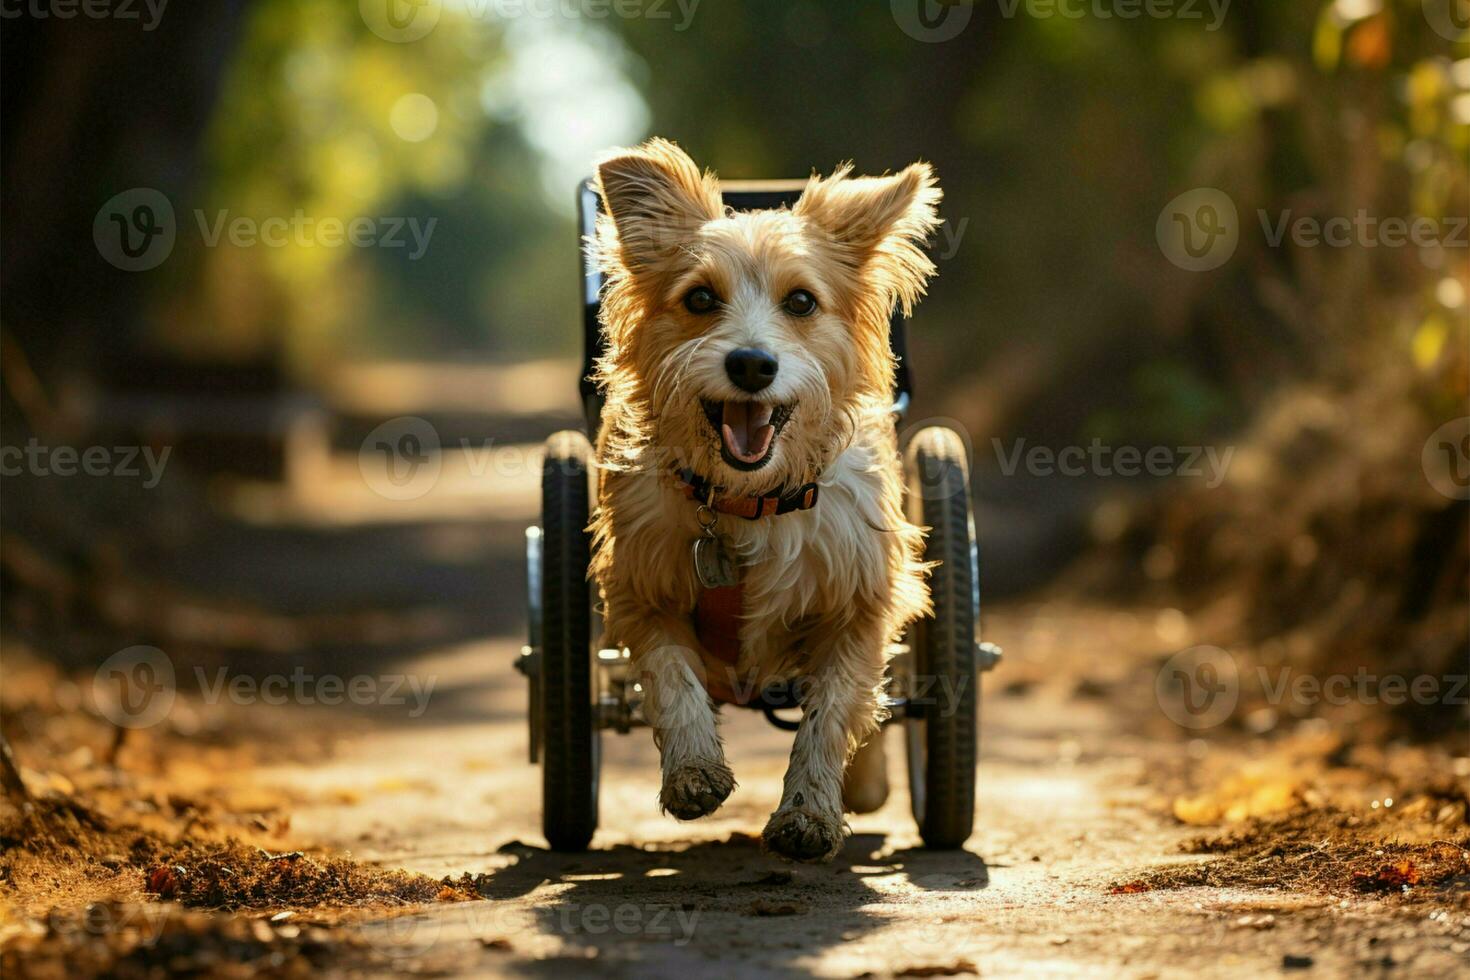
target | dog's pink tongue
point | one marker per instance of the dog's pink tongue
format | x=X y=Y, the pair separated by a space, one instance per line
x=747 y=431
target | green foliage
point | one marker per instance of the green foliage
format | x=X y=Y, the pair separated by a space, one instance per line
x=1058 y=140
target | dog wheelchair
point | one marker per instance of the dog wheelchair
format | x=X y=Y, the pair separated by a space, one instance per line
x=578 y=691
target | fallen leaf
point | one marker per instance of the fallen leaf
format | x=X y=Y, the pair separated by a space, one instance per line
x=163 y=881
x=1129 y=888
x=1390 y=877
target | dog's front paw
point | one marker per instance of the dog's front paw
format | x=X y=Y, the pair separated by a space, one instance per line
x=696 y=789
x=804 y=835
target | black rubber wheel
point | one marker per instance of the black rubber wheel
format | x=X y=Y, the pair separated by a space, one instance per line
x=941 y=734
x=569 y=740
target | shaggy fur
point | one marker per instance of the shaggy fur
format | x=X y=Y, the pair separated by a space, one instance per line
x=825 y=589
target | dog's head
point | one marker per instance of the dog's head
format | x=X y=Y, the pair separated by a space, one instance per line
x=745 y=343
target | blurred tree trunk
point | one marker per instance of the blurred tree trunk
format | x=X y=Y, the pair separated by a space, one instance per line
x=85 y=113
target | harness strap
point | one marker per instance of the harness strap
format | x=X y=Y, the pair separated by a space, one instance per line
x=752 y=508
x=718 y=612
x=717 y=615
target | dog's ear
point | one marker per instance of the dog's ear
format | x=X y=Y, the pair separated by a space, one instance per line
x=656 y=198
x=877 y=226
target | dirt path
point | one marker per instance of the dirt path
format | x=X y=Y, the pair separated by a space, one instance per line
x=1079 y=771
x=1070 y=805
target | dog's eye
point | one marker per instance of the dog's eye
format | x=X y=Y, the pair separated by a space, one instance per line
x=700 y=300
x=800 y=303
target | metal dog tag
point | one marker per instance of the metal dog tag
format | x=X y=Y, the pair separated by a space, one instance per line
x=712 y=564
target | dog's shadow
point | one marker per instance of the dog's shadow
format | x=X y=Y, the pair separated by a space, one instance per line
x=669 y=903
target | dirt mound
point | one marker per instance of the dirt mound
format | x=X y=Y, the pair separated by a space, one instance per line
x=233 y=876
x=66 y=850
x=1324 y=852
x=1340 y=821
x=1326 y=549
x=143 y=857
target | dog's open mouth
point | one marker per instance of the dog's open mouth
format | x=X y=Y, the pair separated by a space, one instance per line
x=747 y=430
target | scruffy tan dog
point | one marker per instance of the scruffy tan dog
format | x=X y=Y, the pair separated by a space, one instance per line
x=747 y=359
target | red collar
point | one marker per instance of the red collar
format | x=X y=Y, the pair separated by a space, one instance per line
x=778 y=501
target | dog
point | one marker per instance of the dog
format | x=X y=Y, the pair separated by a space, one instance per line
x=747 y=449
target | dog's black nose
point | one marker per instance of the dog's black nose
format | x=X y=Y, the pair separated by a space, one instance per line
x=750 y=369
